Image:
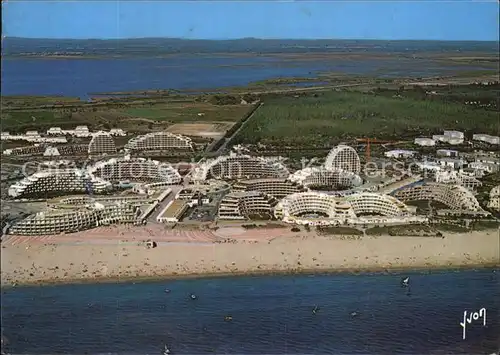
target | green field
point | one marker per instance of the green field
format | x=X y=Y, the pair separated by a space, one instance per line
x=316 y=119
x=189 y=112
x=18 y=121
x=17 y=101
x=138 y=118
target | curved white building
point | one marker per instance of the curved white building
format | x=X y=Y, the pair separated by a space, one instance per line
x=456 y=197
x=236 y=167
x=367 y=203
x=54 y=222
x=320 y=177
x=241 y=205
x=343 y=158
x=159 y=141
x=276 y=187
x=58 y=182
x=101 y=143
x=312 y=205
x=136 y=169
x=318 y=208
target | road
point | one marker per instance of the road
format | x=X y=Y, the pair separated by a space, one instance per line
x=227 y=140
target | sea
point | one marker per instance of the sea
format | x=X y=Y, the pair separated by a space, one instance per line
x=355 y=314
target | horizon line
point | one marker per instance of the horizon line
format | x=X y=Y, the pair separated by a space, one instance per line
x=248 y=38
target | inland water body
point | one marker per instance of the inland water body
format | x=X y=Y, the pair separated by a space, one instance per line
x=81 y=77
x=270 y=315
x=182 y=65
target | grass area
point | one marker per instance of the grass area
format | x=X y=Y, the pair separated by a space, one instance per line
x=189 y=112
x=316 y=118
x=17 y=101
x=268 y=225
x=19 y=121
x=142 y=118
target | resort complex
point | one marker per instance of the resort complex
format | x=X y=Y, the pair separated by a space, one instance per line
x=243 y=159
x=242 y=187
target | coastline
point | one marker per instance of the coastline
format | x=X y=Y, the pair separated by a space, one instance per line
x=50 y=264
x=269 y=273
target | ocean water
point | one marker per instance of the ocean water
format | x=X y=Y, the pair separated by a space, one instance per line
x=271 y=315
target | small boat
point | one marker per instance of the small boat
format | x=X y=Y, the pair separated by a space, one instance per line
x=167 y=290
x=166 y=350
x=228 y=318
x=193 y=296
x=315 y=309
x=354 y=314
x=405 y=281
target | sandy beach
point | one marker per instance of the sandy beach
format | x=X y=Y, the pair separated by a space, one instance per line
x=120 y=260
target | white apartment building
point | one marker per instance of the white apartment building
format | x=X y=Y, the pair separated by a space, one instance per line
x=454 y=134
x=457 y=178
x=117 y=132
x=33 y=136
x=101 y=143
x=400 y=153
x=483 y=167
x=159 y=141
x=81 y=131
x=453 y=163
x=51 y=151
x=447 y=153
x=494 y=202
x=61 y=181
x=428 y=165
x=425 y=142
x=495 y=140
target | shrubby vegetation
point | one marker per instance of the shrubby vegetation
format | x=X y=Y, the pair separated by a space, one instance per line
x=307 y=120
x=332 y=230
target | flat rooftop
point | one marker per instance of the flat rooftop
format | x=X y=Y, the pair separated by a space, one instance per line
x=175 y=208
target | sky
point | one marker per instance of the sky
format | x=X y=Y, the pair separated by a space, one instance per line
x=344 y=19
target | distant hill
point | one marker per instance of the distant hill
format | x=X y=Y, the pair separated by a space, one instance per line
x=160 y=46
